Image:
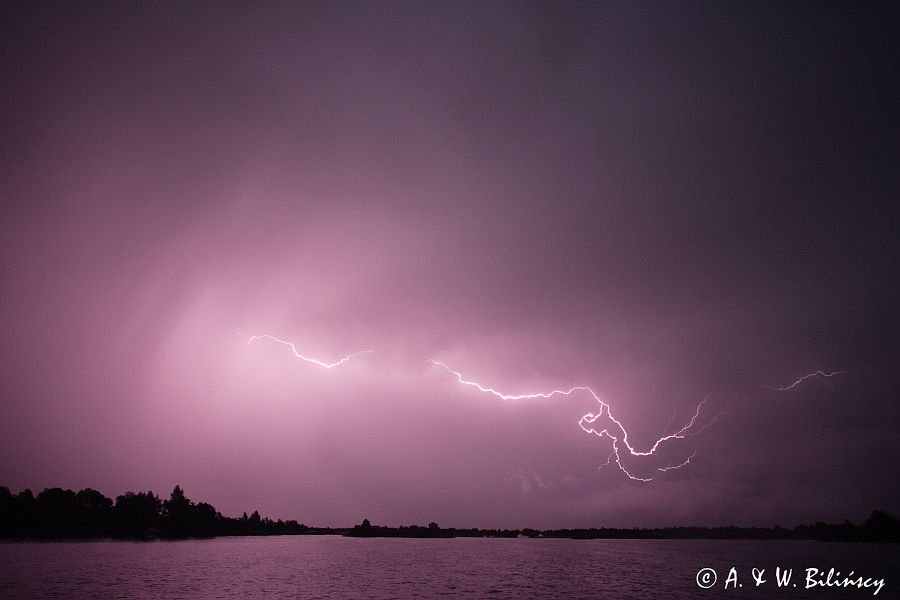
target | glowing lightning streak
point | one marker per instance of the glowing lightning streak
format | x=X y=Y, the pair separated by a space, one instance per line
x=306 y=358
x=619 y=433
x=819 y=375
x=687 y=461
x=614 y=430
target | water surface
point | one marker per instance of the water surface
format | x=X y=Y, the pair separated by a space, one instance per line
x=335 y=567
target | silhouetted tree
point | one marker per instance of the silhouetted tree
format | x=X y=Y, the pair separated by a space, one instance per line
x=205 y=519
x=882 y=527
x=364 y=529
x=137 y=515
x=178 y=514
x=91 y=499
x=8 y=506
x=27 y=512
x=56 y=512
x=95 y=511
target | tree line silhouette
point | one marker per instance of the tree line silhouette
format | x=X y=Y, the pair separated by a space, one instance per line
x=879 y=527
x=59 y=513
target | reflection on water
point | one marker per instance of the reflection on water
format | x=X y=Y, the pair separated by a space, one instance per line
x=334 y=567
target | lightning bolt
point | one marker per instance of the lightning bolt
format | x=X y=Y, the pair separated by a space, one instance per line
x=314 y=361
x=818 y=375
x=687 y=461
x=609 y=427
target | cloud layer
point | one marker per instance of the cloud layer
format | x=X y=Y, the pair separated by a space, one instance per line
x=666 y=206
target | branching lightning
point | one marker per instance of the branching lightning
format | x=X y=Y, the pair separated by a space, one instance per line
x=314 y=361
x=817 y=375
x=602 y=423
x=678 y=466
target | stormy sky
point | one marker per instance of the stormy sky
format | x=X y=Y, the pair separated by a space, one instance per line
x=667 y=202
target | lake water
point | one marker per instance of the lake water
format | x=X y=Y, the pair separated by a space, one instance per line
x=335 y=567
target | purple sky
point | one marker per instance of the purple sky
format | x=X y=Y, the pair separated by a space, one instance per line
x=665 y=203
